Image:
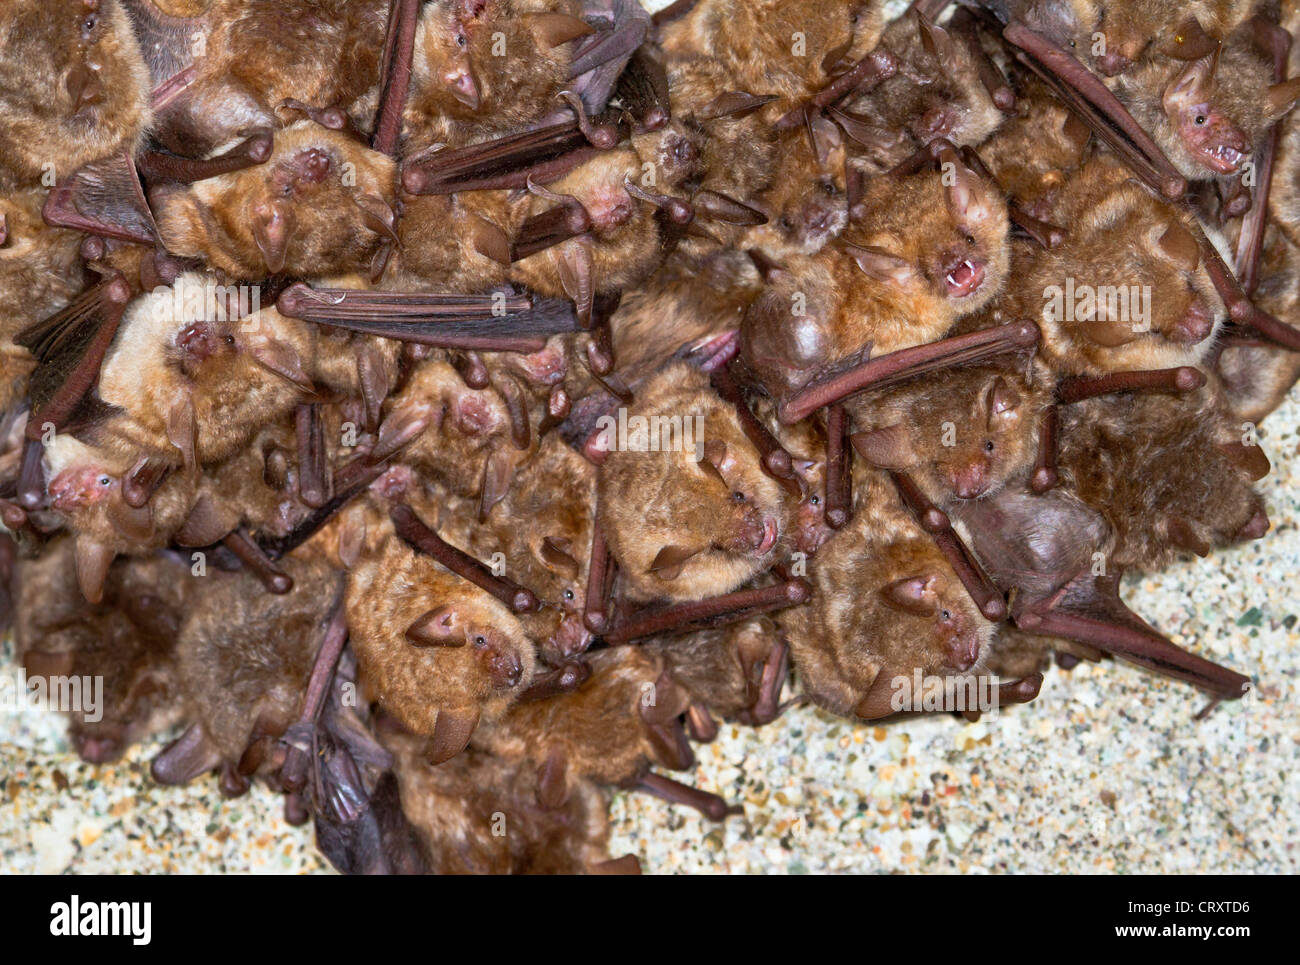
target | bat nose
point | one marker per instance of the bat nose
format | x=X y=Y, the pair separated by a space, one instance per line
x=1112 y=62
x=1194 y=326
x=504 y=668
x=84 y=85
x=66 y=493
x=963 y=650
x=971 y=480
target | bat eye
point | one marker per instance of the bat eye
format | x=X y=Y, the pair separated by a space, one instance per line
x=988 y=446
x=738 y=496
x=461 y=41
x=230 y=340
x=568 y=594
x=1200 y=120
x=479 y=641
x=945 y=615
x=105 y=481
x=90 y=23
x=970 y=239
x=815 y=500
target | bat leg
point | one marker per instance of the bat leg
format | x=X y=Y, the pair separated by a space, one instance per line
x=964 y=25
x=935 y=521
x=674 y=792
x=863 y=77
x=422 y=538
x=1044 y=475
x=1089 y=610
x=600 y=582
x=495 y=322
x=505 y=162
x=774 y=459
x=159 y=166
x=838 y=503
x=313 y=479
x=600 y=348
x=31 y=476
x=767 y=707
x=103 y=198
x=257 y=562
x=395 y=70
x=554 y=226
x=676 y=210
x=712 y=612
x=1108 y=116
x=564 y=679
x=470 y=367
x=700 y=723
x=1183 y=379
x=894 y=367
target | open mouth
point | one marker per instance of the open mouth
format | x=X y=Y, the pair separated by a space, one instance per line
x=1223 y=158
x=965 y=278
x=769 y=536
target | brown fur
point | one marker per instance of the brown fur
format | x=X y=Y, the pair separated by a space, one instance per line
x=1148 y=460
x=45 y=45
x=924 y=229
x=962 y=434
x=387 y=593
x=298 y=213
x=850 y=641
x=245 y=655
x=601 y=731
x=478 y=814
x=650 y=501
x=1114 y=232
x=128 y=641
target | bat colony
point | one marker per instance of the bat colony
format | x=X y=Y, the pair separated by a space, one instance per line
x=340 y=338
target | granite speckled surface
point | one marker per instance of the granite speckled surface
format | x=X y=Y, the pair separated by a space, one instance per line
x=1106 y=772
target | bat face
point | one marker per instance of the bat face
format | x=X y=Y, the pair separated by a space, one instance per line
x=441 y=651
x=945 y=234
x=492 y=61
x=1206 y=131
x=73 y=86
x=720 y=520
x=321 y=206
x=963 y=435
x=878 y=613
x=1153 y=304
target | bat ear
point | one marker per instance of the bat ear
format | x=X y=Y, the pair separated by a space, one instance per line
x=131 y=521
x=1190 y=42
x=204 y=525
x=1252 y=460
x=715 y=459
x=880 y=264
x=440 y=627
x=553 y=780
x=487 y=239
x=497 y=473
x=936 y=41
x=352 y=540
x=885 y=448
x=1192 y=86
x=182 y=428
x=1180 y=247
x=556 y=553
x=451 y=734
x=1282 y=97
x=917 y=595
x=878 y=699
x=460 y=80
x=281 y=359
x=92 y=560
x=964 y=192
x=180 y=223
x=669 y=561
x=1003 y=400
x=272 y=225
x=553 y=29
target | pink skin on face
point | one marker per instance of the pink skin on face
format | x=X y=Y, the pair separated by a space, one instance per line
x=961 y=642
x=80 y=488
x=1214 y=140
x=964 y=277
